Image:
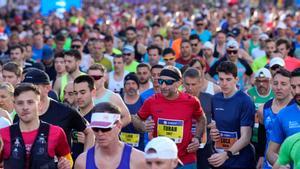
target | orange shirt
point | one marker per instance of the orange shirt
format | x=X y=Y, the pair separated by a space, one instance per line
x=291 y=63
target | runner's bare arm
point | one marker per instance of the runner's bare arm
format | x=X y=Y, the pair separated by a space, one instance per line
x=80 y=161
x=125 y=115
x=261 y=114
x=138 y=123
x=243 y=141
x=89 y=139
x=200 y=126
x=272 y=152
x=137 y=160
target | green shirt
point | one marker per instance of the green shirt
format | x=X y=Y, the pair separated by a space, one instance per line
x=132 y=67
x=258 y=101
x=259 y=63
x=290 y=151
x=106 y=63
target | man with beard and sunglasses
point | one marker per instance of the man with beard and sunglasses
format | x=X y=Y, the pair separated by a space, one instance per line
x=134 y=102
x=98 y=73
x=172 y=112
x=109 y=151
x=287 y=122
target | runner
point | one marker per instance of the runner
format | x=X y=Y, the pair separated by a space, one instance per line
x=32 y=143
x=12 y=73
x=109 y=151
x=161 y=153
x=233 y=112
x=166 y=109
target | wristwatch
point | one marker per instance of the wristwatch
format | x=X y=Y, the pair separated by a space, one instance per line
x=229 y=154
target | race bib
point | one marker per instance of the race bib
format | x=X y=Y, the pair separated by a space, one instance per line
x=170 y=128
x=256 y=121
x=130 y=138
x=226 y=141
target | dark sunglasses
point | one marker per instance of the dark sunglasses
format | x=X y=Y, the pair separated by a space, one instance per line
x=275 y=67
x=96 y=77
x=232 y=51
x=168 y=81
x=75 y=46
x=103 y=130
x=199 y=24
x=194 y=44
x=170 y=59
x=127 y=54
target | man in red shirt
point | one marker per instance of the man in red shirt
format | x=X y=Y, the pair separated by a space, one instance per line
x=283 y=46
x=172 y=112
x=31 y=143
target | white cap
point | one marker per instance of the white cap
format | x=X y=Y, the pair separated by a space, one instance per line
x=232 y=44
x=277 y=61
x=263 y=73
x=161 y=148
x=103 y=120
x=263 y=36
x=3 y=36
x=208 y=45
x=281 y=25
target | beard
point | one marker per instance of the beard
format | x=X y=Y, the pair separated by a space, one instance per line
x=297 y=99
x=143 y=81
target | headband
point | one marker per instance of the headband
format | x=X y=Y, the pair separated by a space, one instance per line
x=170 y=73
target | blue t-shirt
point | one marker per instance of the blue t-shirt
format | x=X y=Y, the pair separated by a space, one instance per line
x=146 y=94
x=286 y=124
x=269 y=122
x=133 y=109
x=230 y=115
x=204 y=36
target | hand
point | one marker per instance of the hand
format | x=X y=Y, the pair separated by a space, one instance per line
x=214 y=132
x=217 y=159
x=285 y=167
x=149 y=125
x=63 y=163
x=193 y=146
x=260 y=163
x=81 y=137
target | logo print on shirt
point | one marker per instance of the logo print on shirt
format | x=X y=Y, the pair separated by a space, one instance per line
x=294 y=124
x=220 y=108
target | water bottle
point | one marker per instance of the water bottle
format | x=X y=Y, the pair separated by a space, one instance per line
x=17 y=149
x=41 y=145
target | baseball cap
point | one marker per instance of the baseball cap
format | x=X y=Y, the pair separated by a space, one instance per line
x=235 y=32
x=161 y=148
x=208 y=45
x=36 y=76
x=263 y=36
x=281 y=25
x=131 y=76
x=38 y=22
x=232 y=44
x=263 y=72
x=3 y=36
x=277 y=61
x=104 y=120
x=47 y=53
x=128 y=49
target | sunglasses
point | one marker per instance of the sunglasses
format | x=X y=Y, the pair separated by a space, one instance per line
x=168 y=82
x=170 y=59
x=75 y=46
x=127 y=54
x=103 y=130
x=97 y=77
x=199 y=24
x=232 y=51
x=194 y=44
x=275 y=67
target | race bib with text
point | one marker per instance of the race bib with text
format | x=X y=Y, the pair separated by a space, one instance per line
x=170 y=128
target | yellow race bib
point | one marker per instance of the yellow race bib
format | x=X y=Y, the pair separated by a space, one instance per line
x=170 y=128
x=130 y=138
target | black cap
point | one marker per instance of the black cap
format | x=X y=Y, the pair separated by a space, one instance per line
x=36 y=76
x=131 y=76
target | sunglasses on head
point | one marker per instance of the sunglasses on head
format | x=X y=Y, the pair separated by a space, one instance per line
x=97 y=77
x=75 y=46
x=103 y=130
x=168 y=82
x=232 y=51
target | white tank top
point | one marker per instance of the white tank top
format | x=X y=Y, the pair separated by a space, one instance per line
x=113 y=85
x=210 y=88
